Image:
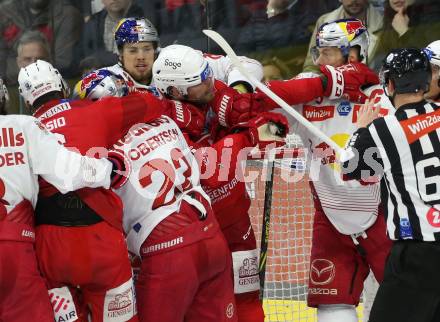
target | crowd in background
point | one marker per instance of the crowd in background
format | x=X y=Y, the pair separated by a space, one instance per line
x=77 y=36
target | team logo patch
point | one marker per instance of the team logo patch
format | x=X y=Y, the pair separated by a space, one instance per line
x=344 y=108
x=119 y=303
x=322 y=271
x=318 y=113
x=62 y=304
x=433 y=217
x=230 y=311
x=246 y=278
x=87 y=81
x=405 y=228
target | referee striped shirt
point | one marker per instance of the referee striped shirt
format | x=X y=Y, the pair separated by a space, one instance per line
x=404 y=149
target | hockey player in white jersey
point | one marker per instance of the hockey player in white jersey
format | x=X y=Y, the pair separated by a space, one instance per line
x=349 y=231
x=139 y=44
x=28 y=150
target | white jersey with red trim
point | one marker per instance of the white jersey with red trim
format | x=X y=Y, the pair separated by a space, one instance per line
x=27 y=150
x=350 y=206
x=164 y=172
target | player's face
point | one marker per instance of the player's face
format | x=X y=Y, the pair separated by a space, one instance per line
x=355 y=7
x=330 y=56
x=434 y=89
x=138 y=59
x=353 y=55
x=202 y=93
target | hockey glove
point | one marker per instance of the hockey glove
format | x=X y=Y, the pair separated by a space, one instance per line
x=334 y=87
x=233 y=108
x=121 y=168
x=188 y=118
x=357 y=76
x=266 y=129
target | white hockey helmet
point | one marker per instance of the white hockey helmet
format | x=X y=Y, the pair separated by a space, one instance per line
x=4 y=94
x=99 y=84
x=433 y=52
x=181 y=67
x=38 y=79
x=343 y=34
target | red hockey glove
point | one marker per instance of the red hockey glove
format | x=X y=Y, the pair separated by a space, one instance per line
x=266 y=129
x=335 y=82
x=188 y=118
x=121 y=168
x=357 y=76
x=233 y=108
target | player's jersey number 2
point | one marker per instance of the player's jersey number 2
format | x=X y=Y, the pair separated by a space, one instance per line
x=176 y=177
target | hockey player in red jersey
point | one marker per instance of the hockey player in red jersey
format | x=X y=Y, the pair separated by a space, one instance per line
x=27 y=151
x=79 y=238
x=193 y=80
x=168 y=219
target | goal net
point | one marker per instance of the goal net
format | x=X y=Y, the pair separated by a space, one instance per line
x=290 y=233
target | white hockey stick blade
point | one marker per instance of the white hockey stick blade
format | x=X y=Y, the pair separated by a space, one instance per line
x=231 y=54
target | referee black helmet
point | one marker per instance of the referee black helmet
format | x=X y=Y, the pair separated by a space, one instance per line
x=409 y=70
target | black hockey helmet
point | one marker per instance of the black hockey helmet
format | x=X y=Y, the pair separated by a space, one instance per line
x=408 y=68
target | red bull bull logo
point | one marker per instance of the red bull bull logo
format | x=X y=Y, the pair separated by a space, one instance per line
x=88 y=81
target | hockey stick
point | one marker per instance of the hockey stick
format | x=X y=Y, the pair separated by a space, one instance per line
x=343 y=154
x=265 y=226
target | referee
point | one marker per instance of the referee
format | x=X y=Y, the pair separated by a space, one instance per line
x=404 y=150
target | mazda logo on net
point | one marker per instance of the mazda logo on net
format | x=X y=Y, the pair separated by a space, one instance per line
x=322 y=271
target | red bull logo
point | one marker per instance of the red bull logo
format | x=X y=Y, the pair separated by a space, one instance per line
x=353 y=27
x=90 y=79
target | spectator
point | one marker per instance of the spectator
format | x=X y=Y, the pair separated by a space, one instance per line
x=360 y=9
x=404 y=25
x=282 y=27
x=181 y=22
x=60 y=22
x=32 y=46
x=98 y=38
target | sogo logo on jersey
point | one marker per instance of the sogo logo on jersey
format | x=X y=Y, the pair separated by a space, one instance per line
x=318 y=113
